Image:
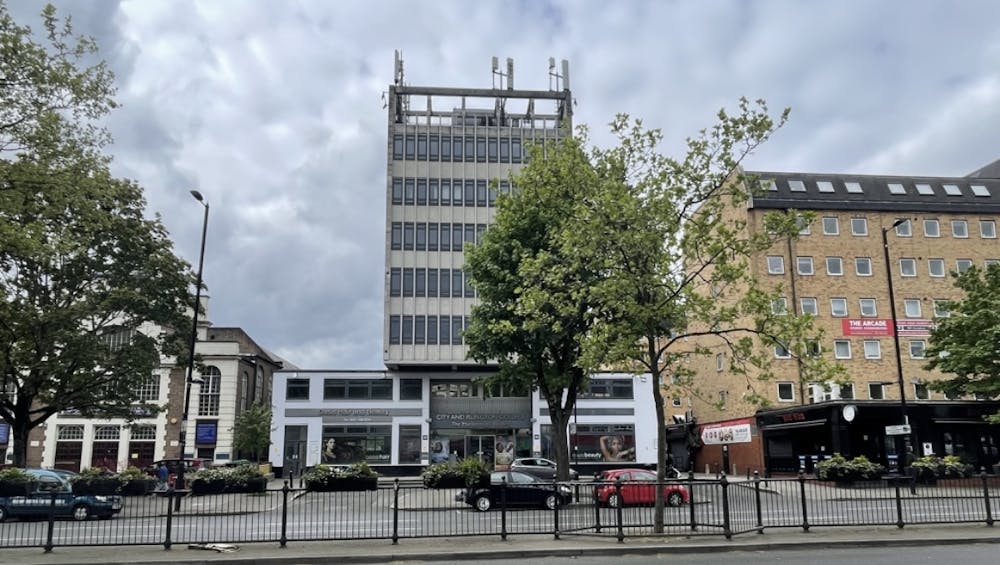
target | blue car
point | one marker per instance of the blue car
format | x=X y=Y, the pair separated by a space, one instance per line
x=37 y=503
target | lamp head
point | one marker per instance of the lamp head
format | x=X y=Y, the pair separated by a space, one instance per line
x=197 y=196
x=895 y=224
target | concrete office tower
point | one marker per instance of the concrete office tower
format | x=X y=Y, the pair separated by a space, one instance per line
x=450 y=153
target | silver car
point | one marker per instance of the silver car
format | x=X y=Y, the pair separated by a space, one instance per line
x=541 y=468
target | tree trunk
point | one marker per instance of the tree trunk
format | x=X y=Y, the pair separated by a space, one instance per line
x=661 y=434
x=20 y=428
x=560 y=422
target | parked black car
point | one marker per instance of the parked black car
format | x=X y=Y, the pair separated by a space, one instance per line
x=541 y=468
x=522 y=489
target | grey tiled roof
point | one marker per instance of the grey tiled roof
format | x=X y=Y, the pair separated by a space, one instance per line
x=990 y=171
x=875 y=195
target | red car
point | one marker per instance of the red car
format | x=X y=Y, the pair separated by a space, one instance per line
x=638 y=487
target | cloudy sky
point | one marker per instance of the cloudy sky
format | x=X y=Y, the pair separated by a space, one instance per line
x=273 y=110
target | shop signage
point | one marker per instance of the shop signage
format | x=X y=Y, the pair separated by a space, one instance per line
x=915 y=328
x=460 y=420
x=866 y=327
x=351 y=412
x=725 y=433
x=4 y=432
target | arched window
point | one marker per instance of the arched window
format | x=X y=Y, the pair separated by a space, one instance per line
x=208 y=397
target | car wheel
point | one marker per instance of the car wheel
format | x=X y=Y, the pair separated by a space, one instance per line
x=81 y=512
x=3 y=514
x=483 y=503
x=675 y=499
x=551 y=501
x=614 y=500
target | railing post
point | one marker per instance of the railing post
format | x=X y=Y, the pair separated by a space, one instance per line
x=726 y=526
x=618 y=509
x=760 y=510
x=802 y=492
x=899 y=506
x=284 y=515
x=52 y=523
x=986 y=497
x=170 y=518
x=555 y=510
x=395 y=511
x=597 y=505
x=694 y=525
x=503 y=508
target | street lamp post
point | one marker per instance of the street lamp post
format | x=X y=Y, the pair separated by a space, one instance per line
x=895 y=333
x=182 y=438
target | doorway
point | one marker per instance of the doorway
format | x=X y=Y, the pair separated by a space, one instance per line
x=482 y=446
x=294 y=452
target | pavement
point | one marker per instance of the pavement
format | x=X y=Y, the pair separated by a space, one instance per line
x=515 y=547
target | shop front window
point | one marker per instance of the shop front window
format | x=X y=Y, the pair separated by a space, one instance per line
x=343 y=445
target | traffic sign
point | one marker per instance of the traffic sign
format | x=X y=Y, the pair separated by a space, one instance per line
x=901 y=430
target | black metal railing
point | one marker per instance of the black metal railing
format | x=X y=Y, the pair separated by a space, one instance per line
x=619 y=510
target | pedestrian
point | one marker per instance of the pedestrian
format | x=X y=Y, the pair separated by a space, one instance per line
x=161 y=475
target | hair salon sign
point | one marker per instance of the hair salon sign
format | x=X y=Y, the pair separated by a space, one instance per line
x=735 y=431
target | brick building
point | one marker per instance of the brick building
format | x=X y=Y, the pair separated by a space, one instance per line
x=836 y=270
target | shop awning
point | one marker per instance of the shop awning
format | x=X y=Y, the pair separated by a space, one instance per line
x=791 y=425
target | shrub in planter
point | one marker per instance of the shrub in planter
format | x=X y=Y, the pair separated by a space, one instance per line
x=234 y=480
x=325 y=478
x=931 y=467
x=842 y=470
x=208 y=481
x=461 y=474
x=15 y=482
x=96 y=481
x=136 y=482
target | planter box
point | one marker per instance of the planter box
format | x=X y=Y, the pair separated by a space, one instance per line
x=97 y=487
x=257 y=485
x=16 y=488
x=201 y=487
x=138 y=487
x=344 y=484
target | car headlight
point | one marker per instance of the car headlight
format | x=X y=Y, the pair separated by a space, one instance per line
x=564 y=489
x=102 y=498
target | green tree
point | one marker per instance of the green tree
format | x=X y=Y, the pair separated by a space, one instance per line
x=252 y=431
x=967 y=343
x=91 y=294
x=676 y=253
x=534 y=312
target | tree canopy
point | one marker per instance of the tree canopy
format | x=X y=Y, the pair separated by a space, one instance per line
x=534 y=312
x=626 y=258
x=966 y=344
x=252 y=431
x=92 y=296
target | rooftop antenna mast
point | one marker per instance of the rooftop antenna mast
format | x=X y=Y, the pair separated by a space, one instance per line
x=498 y=74
x=555 y=78
x=404 y=101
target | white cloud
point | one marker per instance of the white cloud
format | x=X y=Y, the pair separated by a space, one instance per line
x=273 y=110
